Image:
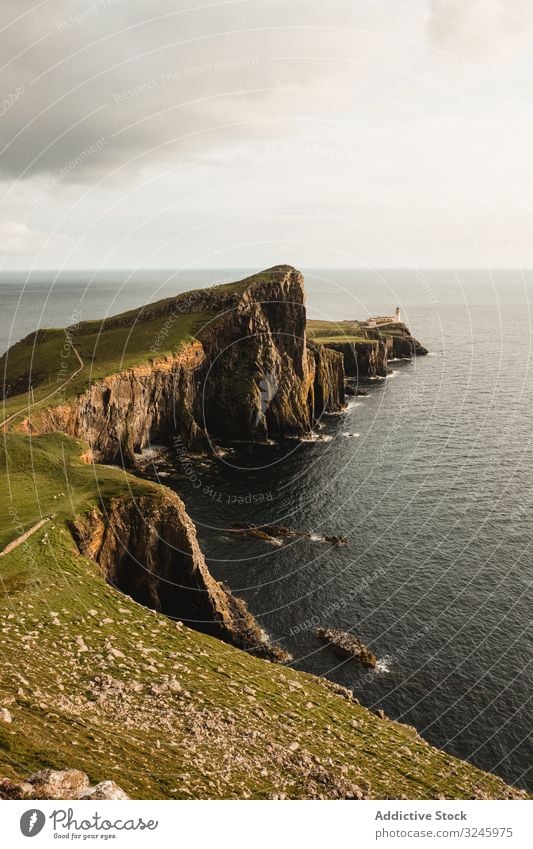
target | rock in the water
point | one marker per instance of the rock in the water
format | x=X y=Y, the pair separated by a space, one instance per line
x=348 y=646
x=105 y=790
x=59 y=784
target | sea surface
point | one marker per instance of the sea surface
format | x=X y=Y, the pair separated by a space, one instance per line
x=430 y=477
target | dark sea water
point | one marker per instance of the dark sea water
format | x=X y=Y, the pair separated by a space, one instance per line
x=430 y=477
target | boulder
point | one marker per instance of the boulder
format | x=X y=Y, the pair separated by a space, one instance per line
x=105 y=790
x=59 y=784
x=348 y=646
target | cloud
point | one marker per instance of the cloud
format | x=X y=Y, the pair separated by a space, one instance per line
x=163 y=80
x=17 y=238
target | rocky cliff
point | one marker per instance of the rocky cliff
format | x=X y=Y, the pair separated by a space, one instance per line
x=122 y=413
x=366 y=348
x=404 y=346
x=363 y=359
x=147 y=547
x=249 y=374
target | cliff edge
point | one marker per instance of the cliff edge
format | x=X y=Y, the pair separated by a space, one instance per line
x=230 y=362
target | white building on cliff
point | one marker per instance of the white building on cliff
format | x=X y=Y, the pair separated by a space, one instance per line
x=376 y=320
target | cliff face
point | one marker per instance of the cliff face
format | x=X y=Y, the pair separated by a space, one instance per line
x=248 y=375
x=367 y=355
x=259 y=378
x=124 y=412
x=405 y=347
x=147 y=547
x=328 y=385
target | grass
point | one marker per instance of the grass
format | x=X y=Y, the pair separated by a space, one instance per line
x=339 y=340
x=44 y=475
x=41 y=359
x=330 y=329
x=340 y=332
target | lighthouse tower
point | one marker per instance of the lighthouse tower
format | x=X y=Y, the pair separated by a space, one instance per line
x=398 y=318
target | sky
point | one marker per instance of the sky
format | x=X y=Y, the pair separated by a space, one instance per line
x=246 y=133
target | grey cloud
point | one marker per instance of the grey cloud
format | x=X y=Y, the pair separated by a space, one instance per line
x=479 y=26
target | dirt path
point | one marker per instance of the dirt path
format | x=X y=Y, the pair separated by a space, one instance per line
x=23 y=537
x=51 y=394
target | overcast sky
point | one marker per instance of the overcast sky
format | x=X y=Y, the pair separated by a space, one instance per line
x=177 y=133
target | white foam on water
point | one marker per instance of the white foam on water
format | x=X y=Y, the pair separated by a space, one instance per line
x=383 y=665
x=313 y=437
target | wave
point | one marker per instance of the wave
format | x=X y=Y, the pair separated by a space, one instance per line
x=313 y=437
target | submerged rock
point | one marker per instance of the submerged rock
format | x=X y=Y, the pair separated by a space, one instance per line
x=276 y=533
x=348 y=646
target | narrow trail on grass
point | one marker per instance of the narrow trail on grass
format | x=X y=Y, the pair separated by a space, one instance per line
x=54 y=392
x=23 y=537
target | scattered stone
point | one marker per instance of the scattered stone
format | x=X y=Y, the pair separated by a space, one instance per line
x=5 y=715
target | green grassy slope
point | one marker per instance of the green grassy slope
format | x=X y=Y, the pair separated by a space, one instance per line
x=43 y=476
x=323 y=332
x=47 y=360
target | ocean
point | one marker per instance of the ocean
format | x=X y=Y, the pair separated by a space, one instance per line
x=429 y=476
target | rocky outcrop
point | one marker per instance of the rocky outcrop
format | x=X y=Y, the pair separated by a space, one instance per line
x=348 y=646
x=404 y=347
x=328 y=373
x=260 y=379
x=122 y=413
x=368 y=357
x=147 y=547
x=62 y=785
x=249 y=375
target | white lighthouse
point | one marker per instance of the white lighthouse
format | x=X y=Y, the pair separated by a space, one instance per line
x=398 y=318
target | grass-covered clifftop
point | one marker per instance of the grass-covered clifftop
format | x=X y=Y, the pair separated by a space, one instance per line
x=60 y=363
